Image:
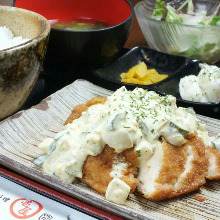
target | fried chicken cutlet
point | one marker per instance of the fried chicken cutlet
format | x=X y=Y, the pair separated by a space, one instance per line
x=133 y=139
x=174 y=170
x=97 y=169
x=171 y=171
x=213 y=156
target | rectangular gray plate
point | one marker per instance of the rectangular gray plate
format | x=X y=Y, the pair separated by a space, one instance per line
x=21 y=133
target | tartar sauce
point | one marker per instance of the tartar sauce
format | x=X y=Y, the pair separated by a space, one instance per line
x=128 y=118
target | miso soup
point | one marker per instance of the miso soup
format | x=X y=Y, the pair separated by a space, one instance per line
x=79 y=25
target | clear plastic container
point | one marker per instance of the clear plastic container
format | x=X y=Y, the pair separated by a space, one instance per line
x=193 y=41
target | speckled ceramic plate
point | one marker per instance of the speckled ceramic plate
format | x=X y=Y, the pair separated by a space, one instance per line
x=21 y=133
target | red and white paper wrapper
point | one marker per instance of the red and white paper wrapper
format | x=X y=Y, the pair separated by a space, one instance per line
x=21 y=198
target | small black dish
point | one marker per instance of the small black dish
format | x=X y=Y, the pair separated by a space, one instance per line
x=109 y=74
x=175 y=67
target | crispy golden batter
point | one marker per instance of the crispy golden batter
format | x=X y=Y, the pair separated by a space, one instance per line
x=96 y=100
x=173 y=162
x=97 y=169
x=214 y=164
x=199 y=165
x=182 y=170
x=170 y=172
x=77 y=111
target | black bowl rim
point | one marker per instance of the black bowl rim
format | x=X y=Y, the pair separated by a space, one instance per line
x=103 y=29
x=164 y=22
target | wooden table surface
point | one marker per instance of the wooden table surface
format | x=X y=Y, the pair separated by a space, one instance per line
x=136 y=38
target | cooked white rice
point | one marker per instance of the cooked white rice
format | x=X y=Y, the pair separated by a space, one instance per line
x=8 y=40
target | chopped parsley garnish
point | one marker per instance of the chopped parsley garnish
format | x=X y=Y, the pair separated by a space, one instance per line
x=139 y=153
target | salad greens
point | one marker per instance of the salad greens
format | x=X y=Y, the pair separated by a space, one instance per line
x=160 y=9
x=199 y=43
x=164 y=11
x=172 y=16
x=206 y=52
x=215 y=21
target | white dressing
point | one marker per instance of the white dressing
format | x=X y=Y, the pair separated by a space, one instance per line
x=118 y=168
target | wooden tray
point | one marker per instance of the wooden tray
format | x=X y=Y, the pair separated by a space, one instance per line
x=21 y=133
